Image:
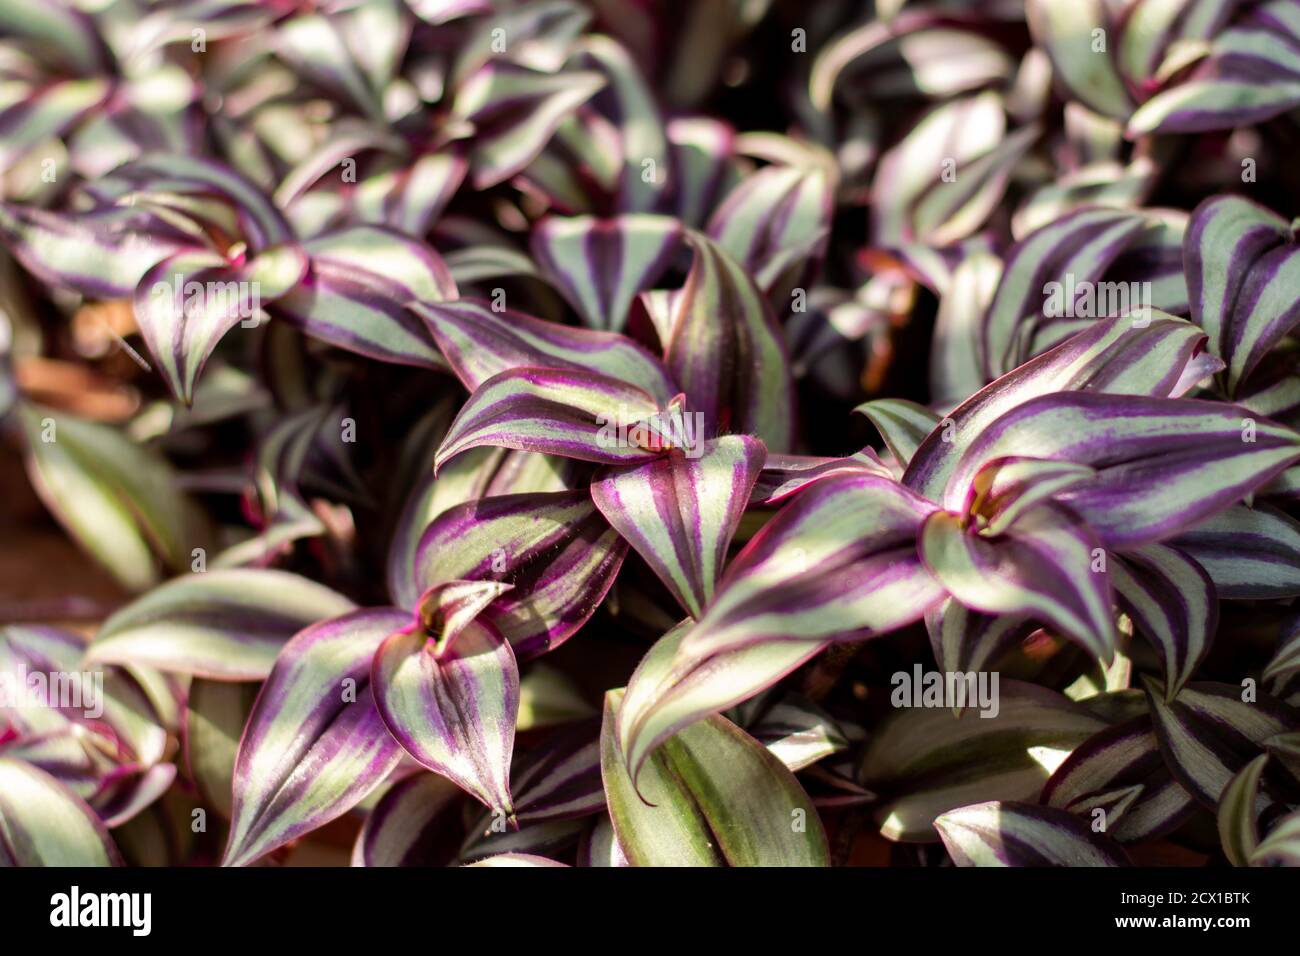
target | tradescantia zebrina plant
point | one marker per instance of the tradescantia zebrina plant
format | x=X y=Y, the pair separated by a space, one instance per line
x=465 y=432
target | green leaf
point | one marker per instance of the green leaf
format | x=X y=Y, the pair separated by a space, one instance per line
x=120 y=501
x=710 y=796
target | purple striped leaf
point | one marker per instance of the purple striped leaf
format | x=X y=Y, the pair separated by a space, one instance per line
x=414 y=823
x=701 y=148
x=925 y=761
x=102 y=254
x=258 y=218
x=480 y=343
x=1155 y=256
x=839 y=562
x=65 y=36
x=726 y=352
x=404 y=260
x=1044 y=566
x=1237 y=814
x=346 y=139
x=630 y=102
x=550 y=838
x=1243 y=265
x=1286 y=748
x=1153 y=28
x=1208 y=733
x=452 y=706
x=221 y=625
x=47 y=113
x=795 y=729
x=1285 y=662
x=672 y=689
x=776 y=223
x=947 y=175
x=919 y=52
x=572 y=414
x=1163 y=465
x=187 y=303
x=360 y=281
x=1172 y=603
x=315 y=744
x=601 y=265
x=1125 y=757
x=1074 y=252
x=46 y=824
x=481 y=473
x=710 y=796
x=411 y=197
x=515 y=111
x=132 y=790
x=542 y=34
x=103 y=725
x=1251 y=74
x=1007 y=833
x=556 y=549
x=558 y=780
x=1250 y=553
x=315 y=47
x=956 y=368
x=965 y=640
x=679 y=512
x=1112 y=355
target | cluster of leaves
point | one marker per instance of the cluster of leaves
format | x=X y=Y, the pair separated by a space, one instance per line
x=416 y=285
